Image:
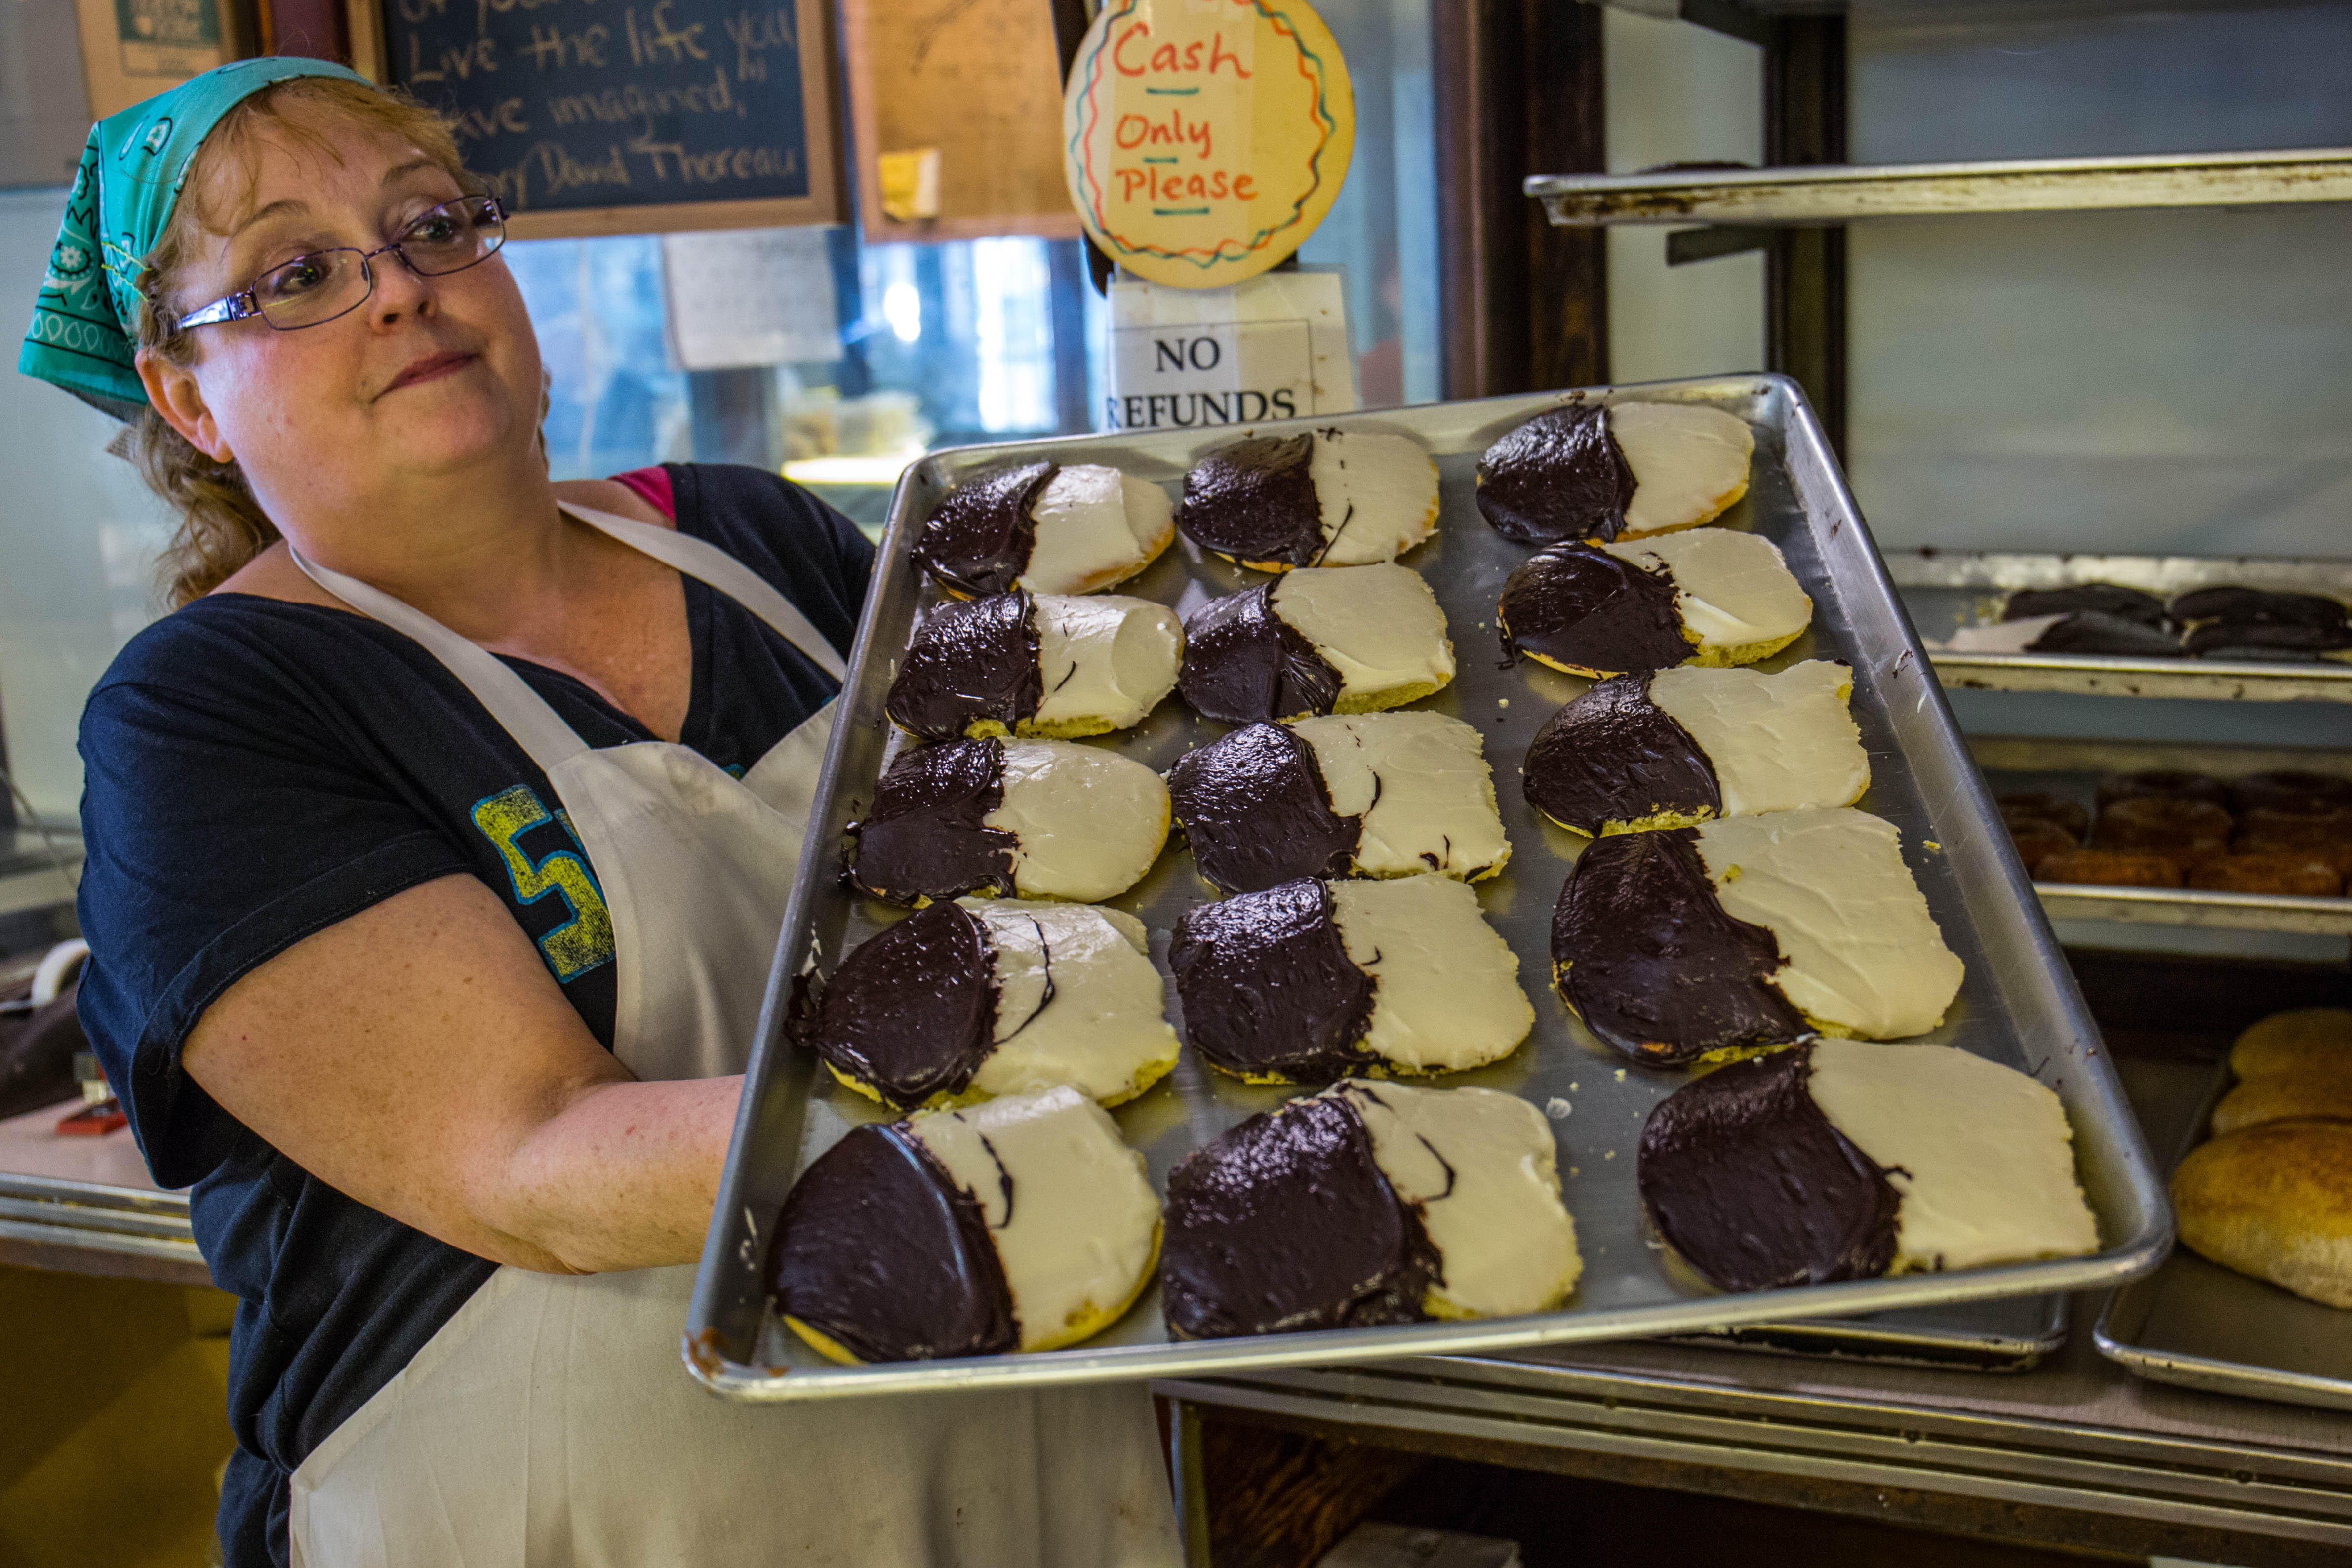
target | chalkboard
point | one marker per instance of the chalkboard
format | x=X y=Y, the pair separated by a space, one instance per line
x=626 y=116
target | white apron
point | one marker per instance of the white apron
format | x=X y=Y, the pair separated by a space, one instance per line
x=551 y=1420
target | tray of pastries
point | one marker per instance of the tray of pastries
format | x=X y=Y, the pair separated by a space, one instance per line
x=2263 y=628
x=1430 y=880
x=2257 y=1301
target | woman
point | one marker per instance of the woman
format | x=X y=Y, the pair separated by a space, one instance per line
x=437 y=846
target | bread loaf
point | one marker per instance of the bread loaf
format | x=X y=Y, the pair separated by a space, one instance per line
x=2274 y=1200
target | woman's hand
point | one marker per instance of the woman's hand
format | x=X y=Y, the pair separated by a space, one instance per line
x=419 y=1058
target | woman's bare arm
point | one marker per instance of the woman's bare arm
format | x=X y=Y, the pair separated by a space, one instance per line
x=419 y=1058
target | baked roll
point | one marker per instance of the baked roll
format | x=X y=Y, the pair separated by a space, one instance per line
x=1707 y=596
x=1325 y=498
x=1321 y=639
x=1050 y=664
x=2274 y=1200
x=1045 y=528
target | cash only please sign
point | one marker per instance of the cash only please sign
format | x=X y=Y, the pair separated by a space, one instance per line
x=1204 y=141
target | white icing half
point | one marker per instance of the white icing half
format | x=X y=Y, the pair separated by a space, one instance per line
x=1981 y=1153
x=1095 y=526
x=1378 y=495
x=1688 y=462
x=1778 y=742
x=2002 y=637
x=1482 y=1166
x=1731 y=589
x=1077 y=1000
x=1858 y=947
x=1420 y=782
x=1088 y=821
x=1379 y=626
x=1067 y=1202
x=1109 y=657
x=1445 y=985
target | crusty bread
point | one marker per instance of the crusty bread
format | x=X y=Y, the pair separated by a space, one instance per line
x=2275 y=1202
x=2309 y=1040
x=2290 y=1097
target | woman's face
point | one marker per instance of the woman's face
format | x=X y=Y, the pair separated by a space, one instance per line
x=430 y=377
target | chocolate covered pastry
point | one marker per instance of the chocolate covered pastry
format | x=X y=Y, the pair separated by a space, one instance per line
x=1324 y=498
x=2080 y=631
x=2257 y=607
x=1343 y=639
x=1052 y=665
x=2105 y=598
x=1312 y=981
x=1706 y=596
x=1045 y=528
x=1623 y=470
x=1367 y=1203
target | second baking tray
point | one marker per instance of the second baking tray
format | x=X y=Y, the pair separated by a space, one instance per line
x=2019 y=1006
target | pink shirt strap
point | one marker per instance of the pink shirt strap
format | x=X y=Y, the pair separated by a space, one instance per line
x=654 y=485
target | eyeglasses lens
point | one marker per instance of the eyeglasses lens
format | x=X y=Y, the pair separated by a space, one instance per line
x=322 y=286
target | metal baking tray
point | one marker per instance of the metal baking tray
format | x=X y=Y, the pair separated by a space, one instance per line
x=2010 y=1335
x=2020 y=1004
x=2022 y=762
x=1947 y=589
x=2198 y=1324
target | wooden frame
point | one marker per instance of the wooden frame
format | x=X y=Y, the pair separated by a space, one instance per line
x=1055 y=220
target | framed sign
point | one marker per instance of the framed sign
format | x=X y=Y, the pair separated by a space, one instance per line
x=133 y=50
x=1203 y=140
x=629 y=116
x=957 y=110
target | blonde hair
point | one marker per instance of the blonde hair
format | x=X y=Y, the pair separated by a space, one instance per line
x=221 y=525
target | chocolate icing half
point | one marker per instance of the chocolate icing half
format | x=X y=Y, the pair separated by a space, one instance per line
x=926 y=835
x=1559 y=475
x=972 y=659
x=1255 y=501
x=1244 y=662
x=1755 y=1188
x=977 y=539
x=2259 y=605
x=2092 y=631
x=878 y=1249
x=1612 y=756
x=911 y=1013
x=2264 y=639
x=1649 y=959
x=1285 y=1224
x=1589 y=610
x=2107 y=598
x=1267 y=987
x=1257 y=811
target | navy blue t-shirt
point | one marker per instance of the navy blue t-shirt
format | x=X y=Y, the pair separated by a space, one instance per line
x=259 y=770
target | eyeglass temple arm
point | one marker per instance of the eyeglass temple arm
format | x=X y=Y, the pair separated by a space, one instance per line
x=232 y=307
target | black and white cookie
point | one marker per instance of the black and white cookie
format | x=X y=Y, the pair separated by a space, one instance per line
x=1322 y=639
x=1040 y=819
x=1312 y=981
x=1747 y=931
x=1367 y=794
x=1367 y=1203
x=2257 y=624
x=1047 y=528
x=2070 y=631
x=1679 y=746
x=985 y=997
x=1622 y=470
x=1325 y=498
x=1837 y=1159
x=1023 y=1224
x=1708 y=596
x=2099 y=598
x=1052 y=665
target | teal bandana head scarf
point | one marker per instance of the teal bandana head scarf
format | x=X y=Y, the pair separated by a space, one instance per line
x=85 y=325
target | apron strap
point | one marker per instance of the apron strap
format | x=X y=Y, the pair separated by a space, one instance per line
x=702 y=560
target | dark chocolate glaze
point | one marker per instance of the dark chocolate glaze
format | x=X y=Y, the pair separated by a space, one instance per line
x=1561 y=476
x=2258 y=605
x=878 y=1249
x=1257 y=811
x=1652 y=963
x=926 y=835
x=972 y=659
x=2123 y=604
x=1589 y=610
x=911 y=1013
x=1244 y=662
x=2264 y=639
x=1268 y=988
x=1255 y=501
x=1285 y=1224
x=2090 y=631
x=1612 y=756
x=977 y=539
x=1755 y=1188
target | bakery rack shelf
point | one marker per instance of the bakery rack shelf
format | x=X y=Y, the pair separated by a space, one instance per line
x=1845 y=193
x=1946 y=590
x=2031 y=762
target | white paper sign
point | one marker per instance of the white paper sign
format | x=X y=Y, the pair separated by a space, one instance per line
x=1272 y=348
x=750 y=297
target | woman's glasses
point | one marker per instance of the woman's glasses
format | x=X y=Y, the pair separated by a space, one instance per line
x=317 y=288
